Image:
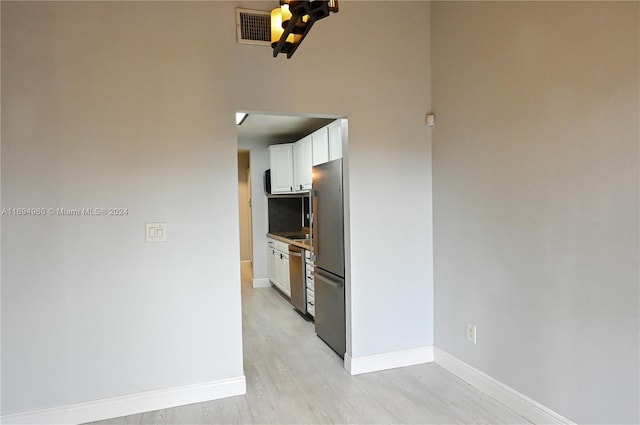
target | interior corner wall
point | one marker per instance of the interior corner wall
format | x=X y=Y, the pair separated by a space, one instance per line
x=117 y=105
x=536 y=190
x=381 y=83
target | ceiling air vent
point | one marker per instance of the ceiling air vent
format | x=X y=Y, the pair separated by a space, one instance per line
x=253 y=27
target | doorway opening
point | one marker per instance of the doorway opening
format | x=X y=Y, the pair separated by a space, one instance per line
x=313 y=141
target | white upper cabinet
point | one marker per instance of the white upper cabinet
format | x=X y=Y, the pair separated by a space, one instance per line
x=302 y=178
x=292 y=163
x=281 y=160
x=320 y=146
x=335 y=140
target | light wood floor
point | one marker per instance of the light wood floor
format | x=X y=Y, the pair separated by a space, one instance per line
x=294 y=378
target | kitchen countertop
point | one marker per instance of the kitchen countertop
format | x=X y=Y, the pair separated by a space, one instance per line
x=284 y=237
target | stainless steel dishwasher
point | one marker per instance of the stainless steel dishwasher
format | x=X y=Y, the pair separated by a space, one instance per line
x=297 y=279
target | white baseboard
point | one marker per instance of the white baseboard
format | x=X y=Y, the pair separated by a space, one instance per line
x=131 y=404
x=262 y=282
x=519 y=403
x=377 y=362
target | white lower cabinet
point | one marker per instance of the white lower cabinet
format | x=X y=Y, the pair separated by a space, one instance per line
x=286 y=280
x=278 y=261
x=283 y=274
x=272 y=261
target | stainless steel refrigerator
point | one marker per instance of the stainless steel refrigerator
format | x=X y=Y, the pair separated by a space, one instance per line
x=328 y=248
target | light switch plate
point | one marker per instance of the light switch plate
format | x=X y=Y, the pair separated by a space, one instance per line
x=155 y=232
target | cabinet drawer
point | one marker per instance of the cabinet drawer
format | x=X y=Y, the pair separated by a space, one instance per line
x=282 y=246
x=311 y=297
x=309 y=272
x=279 y=245
x=311 y=309
x=310 y=285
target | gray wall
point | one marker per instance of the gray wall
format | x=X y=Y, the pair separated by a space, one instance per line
x=117 y=105
x=536 y=198
x=132 y=104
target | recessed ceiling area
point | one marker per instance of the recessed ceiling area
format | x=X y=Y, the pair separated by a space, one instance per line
x=273 y=129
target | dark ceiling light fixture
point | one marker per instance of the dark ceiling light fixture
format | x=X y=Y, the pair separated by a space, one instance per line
x=291 y=22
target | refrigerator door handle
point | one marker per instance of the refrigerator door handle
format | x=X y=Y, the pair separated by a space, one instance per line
x=314 y=222
x=328 y=278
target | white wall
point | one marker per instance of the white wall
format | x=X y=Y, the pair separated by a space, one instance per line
x=536 y=198
x=117 y=105
x=131 y=104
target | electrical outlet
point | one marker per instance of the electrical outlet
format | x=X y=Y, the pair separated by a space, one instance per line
x=471 y=333
x=431 y=120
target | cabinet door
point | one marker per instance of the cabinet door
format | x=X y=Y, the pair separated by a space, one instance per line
x=281 y=271
x=286 y=281
x=335 y=140
x=272 y=261
x=281 y=161
x=320 y=146
x=302 y=157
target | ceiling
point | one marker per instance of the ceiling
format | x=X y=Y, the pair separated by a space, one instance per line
x=269 y=129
